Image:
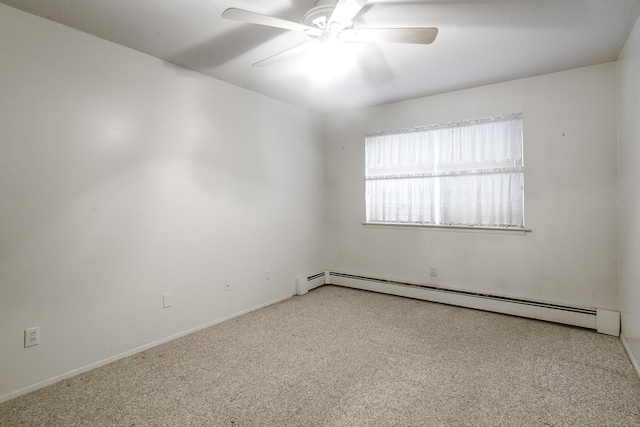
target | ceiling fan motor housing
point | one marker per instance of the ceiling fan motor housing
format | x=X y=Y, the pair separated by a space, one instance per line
x=319 y=15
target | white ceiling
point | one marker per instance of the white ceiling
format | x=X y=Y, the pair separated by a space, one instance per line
x=479 y=42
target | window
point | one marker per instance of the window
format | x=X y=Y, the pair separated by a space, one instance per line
x=466 y=173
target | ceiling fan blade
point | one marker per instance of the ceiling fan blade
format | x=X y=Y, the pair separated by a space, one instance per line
x=242 y=15
x=390 y=35
x=344 y=13
x=287 y=53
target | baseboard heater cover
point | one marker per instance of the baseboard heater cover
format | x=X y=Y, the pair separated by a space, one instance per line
x=570 y=315
x=305 y=283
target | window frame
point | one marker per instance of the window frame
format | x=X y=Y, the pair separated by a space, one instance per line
x=517 y=170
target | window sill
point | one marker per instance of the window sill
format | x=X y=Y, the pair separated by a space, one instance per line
x=463 y=228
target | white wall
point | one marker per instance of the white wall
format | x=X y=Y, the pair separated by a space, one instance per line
x=629 y=178
x=123 y=177
x=570 y=197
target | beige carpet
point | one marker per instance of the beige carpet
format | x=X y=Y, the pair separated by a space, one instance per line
x=342 y=357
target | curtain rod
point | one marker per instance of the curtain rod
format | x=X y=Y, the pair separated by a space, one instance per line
x=506 y=117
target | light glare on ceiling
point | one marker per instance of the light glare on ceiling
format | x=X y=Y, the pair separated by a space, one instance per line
x=331 y=60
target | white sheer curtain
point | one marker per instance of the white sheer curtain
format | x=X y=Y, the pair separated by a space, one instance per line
x=464 y=173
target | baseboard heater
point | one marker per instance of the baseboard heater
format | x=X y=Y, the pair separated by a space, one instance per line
x=604 y=321
x=305 y=283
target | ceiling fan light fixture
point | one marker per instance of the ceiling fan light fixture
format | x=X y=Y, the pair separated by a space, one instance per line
x=330 y=60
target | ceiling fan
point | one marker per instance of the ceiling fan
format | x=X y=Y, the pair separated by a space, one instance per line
x=328 y=21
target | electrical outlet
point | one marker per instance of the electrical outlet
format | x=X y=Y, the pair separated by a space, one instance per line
x=31 y=337
x=433 y=272
x=267 y=274
x=167 y=300
x=227 y=284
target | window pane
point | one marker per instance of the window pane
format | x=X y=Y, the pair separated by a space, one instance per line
x=490 y=200
x=401 y=200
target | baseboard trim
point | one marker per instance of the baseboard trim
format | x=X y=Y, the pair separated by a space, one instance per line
x=78 y=371
x=632 y=347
